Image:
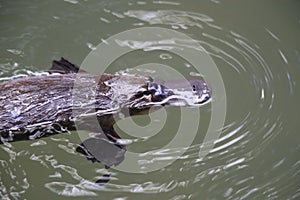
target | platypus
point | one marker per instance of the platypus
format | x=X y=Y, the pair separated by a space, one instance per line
x=36 y=106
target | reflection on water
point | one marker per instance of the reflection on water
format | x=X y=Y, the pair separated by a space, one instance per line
x=256 y=155
x=177 y=19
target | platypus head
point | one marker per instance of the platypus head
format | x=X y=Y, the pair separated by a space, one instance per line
x=180 y=92
x=174 y=93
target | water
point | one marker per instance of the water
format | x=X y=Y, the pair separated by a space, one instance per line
x=256 y=48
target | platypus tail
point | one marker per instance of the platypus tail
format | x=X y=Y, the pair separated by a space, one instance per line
x=63 y=66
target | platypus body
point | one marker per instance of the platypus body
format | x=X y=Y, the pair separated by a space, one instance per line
x=33 y=107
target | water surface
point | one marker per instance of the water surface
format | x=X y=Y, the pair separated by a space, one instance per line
x=256 y=47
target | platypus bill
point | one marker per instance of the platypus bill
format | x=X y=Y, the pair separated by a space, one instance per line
x=33 y=107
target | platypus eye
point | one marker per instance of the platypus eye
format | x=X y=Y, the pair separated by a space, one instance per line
x=157 y=91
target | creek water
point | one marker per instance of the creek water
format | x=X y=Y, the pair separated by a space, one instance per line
x=255 y=47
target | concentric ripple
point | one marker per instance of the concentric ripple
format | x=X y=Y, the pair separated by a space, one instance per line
x=246 y=160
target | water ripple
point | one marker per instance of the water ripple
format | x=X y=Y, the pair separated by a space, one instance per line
x=246 y=136
x=254 y=85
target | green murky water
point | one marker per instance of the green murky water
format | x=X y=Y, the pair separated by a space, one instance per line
x=256 y=48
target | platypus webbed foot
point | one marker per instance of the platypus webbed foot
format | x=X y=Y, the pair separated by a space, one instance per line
x=101 y=149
